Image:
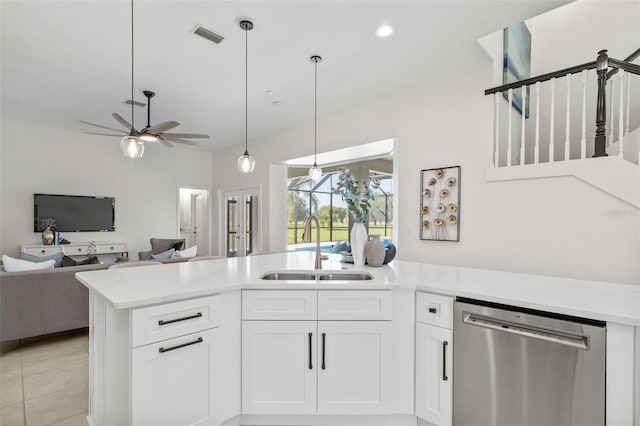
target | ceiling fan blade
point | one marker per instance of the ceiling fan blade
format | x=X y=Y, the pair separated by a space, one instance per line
x=124 y=122
x=105 y=134
x=102 y=127
x=188 y=135
x=161 y=127
x=178 y=140
x=163 y=142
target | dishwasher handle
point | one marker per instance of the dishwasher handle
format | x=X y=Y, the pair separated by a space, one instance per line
x=573 y=340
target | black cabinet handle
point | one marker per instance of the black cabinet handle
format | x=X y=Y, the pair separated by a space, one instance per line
x=163 y=350
x=444 y=360
x=310 y=355
x=163 y=322
x=324 y=336
x=433 y=310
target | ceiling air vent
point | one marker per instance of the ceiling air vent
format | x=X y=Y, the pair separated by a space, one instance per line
x=208 y=34
x=136 y=103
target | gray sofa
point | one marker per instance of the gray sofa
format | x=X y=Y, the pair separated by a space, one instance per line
x=33 y=303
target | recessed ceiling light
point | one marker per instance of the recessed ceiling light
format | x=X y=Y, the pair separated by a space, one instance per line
x=384 y=31
x=275 y=103
x=270 y=92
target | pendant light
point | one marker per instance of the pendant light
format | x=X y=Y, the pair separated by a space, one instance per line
x=315 y=172
x=130 y=145
x=246 y=163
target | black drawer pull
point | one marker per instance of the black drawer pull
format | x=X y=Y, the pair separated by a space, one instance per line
x=163 y=350
x=310 y=348
x=444 y=360
x=163 y=322
x=324 y=336
x=433 y=310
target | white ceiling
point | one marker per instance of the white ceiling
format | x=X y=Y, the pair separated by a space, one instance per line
x=64 y=61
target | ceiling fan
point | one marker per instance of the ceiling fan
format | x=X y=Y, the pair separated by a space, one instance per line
x=149 y=133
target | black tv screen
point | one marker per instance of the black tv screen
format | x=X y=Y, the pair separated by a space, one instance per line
x=74 y=213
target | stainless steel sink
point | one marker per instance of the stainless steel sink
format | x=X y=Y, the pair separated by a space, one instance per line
x=317 y=276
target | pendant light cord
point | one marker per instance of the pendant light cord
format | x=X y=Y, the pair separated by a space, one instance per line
x=315 y=115
x=132 y=123
x=246 y=97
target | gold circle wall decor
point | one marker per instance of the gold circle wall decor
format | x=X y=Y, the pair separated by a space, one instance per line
x=440 y=213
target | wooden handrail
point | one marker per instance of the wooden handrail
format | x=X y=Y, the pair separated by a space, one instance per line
x=544 y=77
x=635 y=55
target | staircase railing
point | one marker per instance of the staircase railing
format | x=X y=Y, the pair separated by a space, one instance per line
x=530 y=133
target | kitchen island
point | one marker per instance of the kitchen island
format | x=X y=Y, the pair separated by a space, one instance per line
x=170 y=343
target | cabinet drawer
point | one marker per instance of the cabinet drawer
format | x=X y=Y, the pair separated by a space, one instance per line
x=355 y=305
x=111 y=248
x=279 y=305
x=41 y=251
x=434 y=309
x=162 y=322
x=75 y=250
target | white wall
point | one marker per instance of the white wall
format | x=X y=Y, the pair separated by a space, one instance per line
x=37 y=159
x=556 y=226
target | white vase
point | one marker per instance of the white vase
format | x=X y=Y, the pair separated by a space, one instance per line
x=359 y=240
x=374 y=251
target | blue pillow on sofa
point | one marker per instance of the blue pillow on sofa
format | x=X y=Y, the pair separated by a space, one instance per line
x=57 y=257
x=164 y=255
x=340 y=246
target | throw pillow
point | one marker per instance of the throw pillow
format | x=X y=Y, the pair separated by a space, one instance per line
x=16 y=265
x=340 y=246
x=190 y=252
x=164 y=255
x=70 y=261
x=57 y=257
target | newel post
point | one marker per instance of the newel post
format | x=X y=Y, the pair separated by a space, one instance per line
x=602 y=65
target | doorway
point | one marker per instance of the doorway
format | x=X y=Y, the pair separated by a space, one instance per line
x=241 y=225
x=193 y=218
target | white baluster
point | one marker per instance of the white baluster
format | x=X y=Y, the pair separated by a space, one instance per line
x=583 y=140
x=621 y=115
x=567 y=128
x=509 y=136
x=496 y=128
x=524 y=114
x=626 y=130
x=613 y=96
x=536 y=153
x=551 y=119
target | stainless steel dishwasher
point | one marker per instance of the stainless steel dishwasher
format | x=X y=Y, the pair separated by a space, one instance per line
x=513 y=366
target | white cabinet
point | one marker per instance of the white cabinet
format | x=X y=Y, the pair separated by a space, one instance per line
x=172 y=381
x=305 y=366
x=354 y=375
x=76 y=249
x=279 y=367
x=434 y=359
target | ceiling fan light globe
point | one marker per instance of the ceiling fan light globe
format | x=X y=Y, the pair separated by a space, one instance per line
x=148 y=138
x=246 y=163
x=315 y=172
x=132 y=147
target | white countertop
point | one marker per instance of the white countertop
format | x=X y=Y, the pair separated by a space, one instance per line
x=135 y=287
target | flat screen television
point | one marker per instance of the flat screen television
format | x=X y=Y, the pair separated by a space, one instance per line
x=74 y=213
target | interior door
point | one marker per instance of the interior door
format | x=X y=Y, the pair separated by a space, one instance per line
x=242 y=222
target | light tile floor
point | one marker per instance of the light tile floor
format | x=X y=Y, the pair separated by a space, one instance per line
x=44 y=381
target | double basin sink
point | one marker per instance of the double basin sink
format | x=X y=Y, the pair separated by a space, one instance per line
x=317 y=275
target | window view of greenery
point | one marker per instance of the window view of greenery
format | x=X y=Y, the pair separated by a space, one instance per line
x=306 y=197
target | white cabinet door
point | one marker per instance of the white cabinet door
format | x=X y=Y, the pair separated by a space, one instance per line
x=173 y=381
x=279 y=367
x=355 y=362
x=434 y=357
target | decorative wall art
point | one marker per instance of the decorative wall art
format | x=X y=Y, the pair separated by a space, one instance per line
x=517 y=62
x=440 y=204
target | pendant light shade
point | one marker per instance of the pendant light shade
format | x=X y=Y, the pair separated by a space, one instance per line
x=246 y=163
x=315 y=172
x=132 y=147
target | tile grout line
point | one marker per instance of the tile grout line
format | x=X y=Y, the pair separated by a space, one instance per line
x=24 y=405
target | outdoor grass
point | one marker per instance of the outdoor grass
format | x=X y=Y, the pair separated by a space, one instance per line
x=340 y=233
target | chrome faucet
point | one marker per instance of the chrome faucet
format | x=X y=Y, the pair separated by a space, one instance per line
x=307 y=237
